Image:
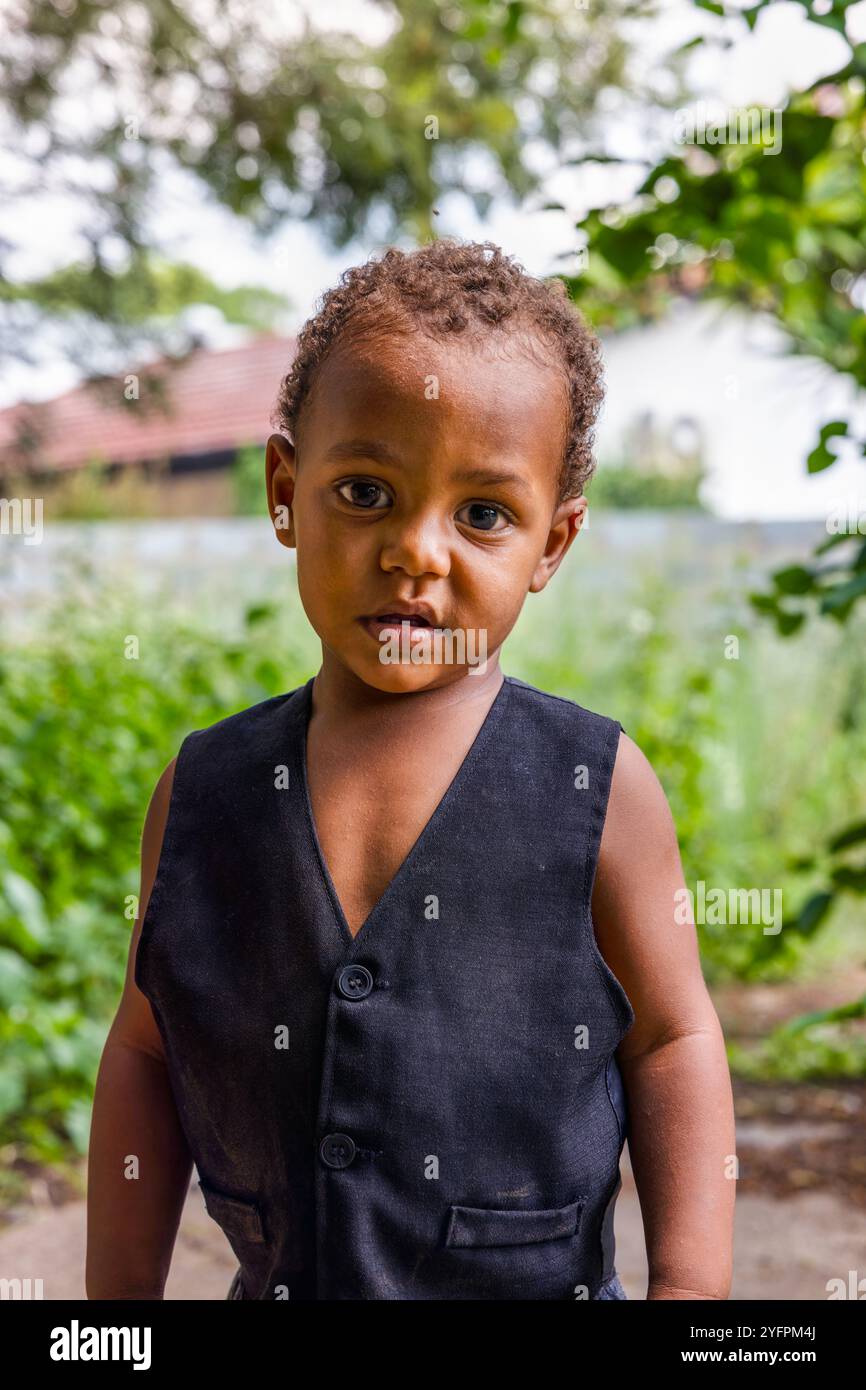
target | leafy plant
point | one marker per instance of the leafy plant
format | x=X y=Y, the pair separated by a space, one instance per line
x=778 y=231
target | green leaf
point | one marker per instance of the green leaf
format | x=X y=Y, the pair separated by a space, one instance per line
x=842 y=595
x=820 y=457
x=787 y=623
x=813 y=913
x=259 y=613
x=512 y=21
x=76 y=1122
x=17 y=976
x=799 y=864
x=851 y=877
x=29 y=930
x=12 y=1091
x=624 y=249
x=796 y=579
x=765 y=603
x=689 y=45
x=836 y=538
x=851 y=835
x=839 y=1014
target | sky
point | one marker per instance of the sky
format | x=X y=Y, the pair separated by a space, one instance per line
x=757 y=431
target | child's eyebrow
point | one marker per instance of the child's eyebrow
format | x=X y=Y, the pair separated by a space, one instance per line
x=378 y=449
x=491 y=478
x=364 y=448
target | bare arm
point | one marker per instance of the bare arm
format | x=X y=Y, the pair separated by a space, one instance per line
x=132 y=1222
x=673 y=1063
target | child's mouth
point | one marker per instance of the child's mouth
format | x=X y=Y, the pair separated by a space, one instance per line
x=393 y=623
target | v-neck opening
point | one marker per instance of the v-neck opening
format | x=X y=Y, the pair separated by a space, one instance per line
x=436 y=815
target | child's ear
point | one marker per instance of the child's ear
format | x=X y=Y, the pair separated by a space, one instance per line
x=280 y=465
x=564 y=526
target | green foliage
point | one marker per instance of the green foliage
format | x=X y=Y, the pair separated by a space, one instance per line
x=735 y=754
x=248 y=481
x=779 y=231
x=750 y=773
x=625 y=487
x=809 y=1048
x=780 y=234
x=148 y=289
x=85 y=733
x=86 y=494
x=827 y=588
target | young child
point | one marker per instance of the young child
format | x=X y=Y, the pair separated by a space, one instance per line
x=407 y=969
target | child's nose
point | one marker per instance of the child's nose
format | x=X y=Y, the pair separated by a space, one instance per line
x=419 y=545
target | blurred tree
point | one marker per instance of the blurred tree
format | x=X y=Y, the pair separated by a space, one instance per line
x=777 y=232
x=102 y=317
x=278 y=120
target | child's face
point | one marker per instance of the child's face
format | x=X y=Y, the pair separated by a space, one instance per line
x=383 y=509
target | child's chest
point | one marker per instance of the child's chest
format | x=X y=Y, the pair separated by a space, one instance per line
x=370 y=809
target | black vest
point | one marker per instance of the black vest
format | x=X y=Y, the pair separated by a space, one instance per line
x=432 y=1110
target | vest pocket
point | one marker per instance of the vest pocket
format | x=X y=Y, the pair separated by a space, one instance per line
x=239 y=1219
x=487 y=1226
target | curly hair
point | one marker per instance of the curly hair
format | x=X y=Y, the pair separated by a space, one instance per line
x=449 y=286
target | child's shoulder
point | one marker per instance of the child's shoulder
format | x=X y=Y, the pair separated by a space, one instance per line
x=545 y=701
x=256 y=731
x=637 y=794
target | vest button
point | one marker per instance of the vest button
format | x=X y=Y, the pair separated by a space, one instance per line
x=354 y=982
x=337 y=1150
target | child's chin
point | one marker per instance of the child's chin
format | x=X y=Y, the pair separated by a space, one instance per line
x=405 y=678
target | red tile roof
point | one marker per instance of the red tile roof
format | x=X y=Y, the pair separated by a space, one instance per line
x=218 y=400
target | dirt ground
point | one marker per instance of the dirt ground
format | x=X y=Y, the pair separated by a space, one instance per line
x=801 y=1193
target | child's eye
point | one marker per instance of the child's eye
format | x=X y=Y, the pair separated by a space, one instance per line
x=364 y=493
x=370 y=496
x=484 y=515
